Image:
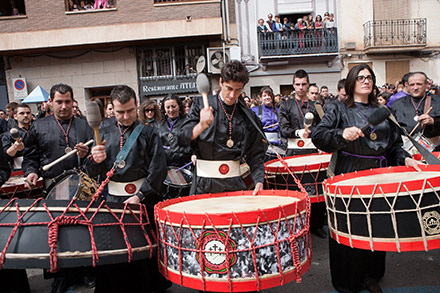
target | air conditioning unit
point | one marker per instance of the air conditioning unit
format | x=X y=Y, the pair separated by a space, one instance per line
x=219 y=56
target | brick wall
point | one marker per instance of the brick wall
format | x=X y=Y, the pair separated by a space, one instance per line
x=51 y=14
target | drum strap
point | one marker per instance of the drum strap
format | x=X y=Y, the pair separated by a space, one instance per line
x=319 y=110
x=123 y=153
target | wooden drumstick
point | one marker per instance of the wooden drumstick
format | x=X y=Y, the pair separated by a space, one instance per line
x=94 y=119
x=269 y=126
x=418 y=123
x=203 y=88
x=50 y=165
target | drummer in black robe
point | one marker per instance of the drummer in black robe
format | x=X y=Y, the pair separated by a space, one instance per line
x=53 y=136
x=223 y=136
x=14 y=146
x=169 y=127
x=339 y=132
x=291 y=117
x=412 y=108
x=138 y=178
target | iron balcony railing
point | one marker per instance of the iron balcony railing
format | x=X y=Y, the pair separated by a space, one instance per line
x=398 y=33
x=316 y=41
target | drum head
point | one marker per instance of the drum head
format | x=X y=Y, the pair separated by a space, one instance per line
x=299 y=163
x=65 y=187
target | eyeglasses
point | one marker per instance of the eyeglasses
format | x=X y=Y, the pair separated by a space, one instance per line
x=362 y=78
x=149 y=110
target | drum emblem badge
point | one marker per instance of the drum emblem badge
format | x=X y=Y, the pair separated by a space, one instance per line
x=216 y=251
x=431 y=222
x=130 y=188
x=223 y=169
x=301 y=143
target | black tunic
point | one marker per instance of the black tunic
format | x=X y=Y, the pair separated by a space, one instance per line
x=5 y=169
x=404 y=111
x=46 y=142
x=145 y=159
x=7 y=141
x=350 y=267
x=177 y=155
x=211 y=144
x=292 y=119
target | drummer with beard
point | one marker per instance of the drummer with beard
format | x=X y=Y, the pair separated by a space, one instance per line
x=138 y=179
x=339 y=133
x=53 y=136
x=13 y=142
x=223 y=136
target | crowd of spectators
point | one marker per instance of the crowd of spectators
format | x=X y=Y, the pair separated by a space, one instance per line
x=12 y=8
x=307 y=22
x=80 y=5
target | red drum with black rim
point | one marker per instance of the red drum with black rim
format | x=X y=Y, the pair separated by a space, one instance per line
x=14 y=187
x=311 y=170
x=234 y=241
x=387 y=209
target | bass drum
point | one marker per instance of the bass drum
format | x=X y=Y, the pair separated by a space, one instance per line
x=72 y=184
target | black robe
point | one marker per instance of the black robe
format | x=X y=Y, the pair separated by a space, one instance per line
x=291 y=119
x=177 y=155
x=7 y=141
x=46 y=142
x=350 y=267
x=404 y=111
x=145 y=159
x=211 y=144
x=5 y=169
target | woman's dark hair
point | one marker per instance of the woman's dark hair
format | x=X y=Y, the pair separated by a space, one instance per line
x=179 y=102
x=147 y=104
x=268 y=90
x=350 y=84
x=385 y=95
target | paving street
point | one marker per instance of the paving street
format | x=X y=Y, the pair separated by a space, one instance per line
x=405 y=272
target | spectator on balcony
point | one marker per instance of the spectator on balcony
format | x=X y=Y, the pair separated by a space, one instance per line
x=318 y=30
x=330 y=24
x=310 y=22
x=300 y=27
x=277 y=26
x=286 y=24
x=262 y=27
x=270 y=21
x=100 y=4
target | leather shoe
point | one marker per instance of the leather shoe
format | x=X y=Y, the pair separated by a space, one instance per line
x=372 y=286
x=320 y=232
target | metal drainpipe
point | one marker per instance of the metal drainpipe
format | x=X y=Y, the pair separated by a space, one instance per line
x=228 y=38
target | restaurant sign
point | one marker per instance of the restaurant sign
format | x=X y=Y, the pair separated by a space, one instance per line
x=160 y=87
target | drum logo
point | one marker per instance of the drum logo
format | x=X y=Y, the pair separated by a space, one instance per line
x=130 y=188
x=215 y=252
x=431 y=222
x=223 y=169
x=301 y=143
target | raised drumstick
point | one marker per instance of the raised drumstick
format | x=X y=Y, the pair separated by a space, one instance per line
x=418 y=123
x=50 y=165
x=94 y=119
x=203 y=88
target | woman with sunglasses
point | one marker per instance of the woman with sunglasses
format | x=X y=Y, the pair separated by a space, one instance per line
x=149 y=112
x=339 y=132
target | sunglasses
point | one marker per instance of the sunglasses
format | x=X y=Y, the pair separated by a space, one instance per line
x=149 y=110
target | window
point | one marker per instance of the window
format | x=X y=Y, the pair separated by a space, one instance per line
x=89 y=5
x=12 y=8
x=169 y=62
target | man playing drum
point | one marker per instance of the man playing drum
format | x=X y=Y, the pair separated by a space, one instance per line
x=292 y=122
x=53 y=136
x=413 y=109
x=13 y=141
x=223 y=135
x=137 y=178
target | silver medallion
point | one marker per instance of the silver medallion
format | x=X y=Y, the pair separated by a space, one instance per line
x=170 y=136
x=416 y=118
x=373 y=136
x=67 y=150
x=229 y=143
x=121 y=164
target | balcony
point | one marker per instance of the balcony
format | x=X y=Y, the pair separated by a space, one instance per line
x=284 y=45
x=395 y=35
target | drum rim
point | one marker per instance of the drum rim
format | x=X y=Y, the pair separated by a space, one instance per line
x=221 y=219
x=12 y=188
x=331 y=185
x=60 y=178
x=299 y=168
x=169 y=183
